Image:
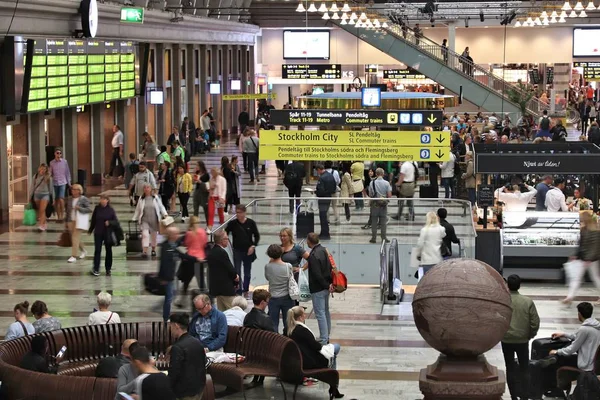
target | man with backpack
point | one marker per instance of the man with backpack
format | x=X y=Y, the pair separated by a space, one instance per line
x=407 y=182
x=293 y=176
x=544 y=124
x=326 y=187
x=380 y=191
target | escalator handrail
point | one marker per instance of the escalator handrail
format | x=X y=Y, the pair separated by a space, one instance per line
x=383 y=268
x=392 y=263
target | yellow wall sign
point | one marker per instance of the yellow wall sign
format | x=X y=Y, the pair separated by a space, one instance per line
x=349 y=153
x=250 y=96
x=356 y=138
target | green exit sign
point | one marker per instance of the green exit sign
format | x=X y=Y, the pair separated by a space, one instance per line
x=132 y=14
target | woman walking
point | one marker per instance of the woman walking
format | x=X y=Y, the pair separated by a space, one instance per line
x=166 y=188
x=201 y=179
x=587 y=256
x=429 y=245
x=218 y=194
x=184 y=189
x=195 y=240
x=148 y=214
x=231 y=172
x=77 y=221
x=347 y=191
x=278 y=273
x=101 y=217
x=40 y=191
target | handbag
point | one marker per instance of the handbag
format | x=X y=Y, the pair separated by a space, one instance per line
x=29 y=216
x=444 y=250
x=50 y=208
x=64 y=240
x=328 y=351
x=293 y=289
x=338 y=278
x=164 y=224
x=358 y=186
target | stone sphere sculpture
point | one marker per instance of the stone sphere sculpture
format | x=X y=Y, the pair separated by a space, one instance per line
x=462 y=307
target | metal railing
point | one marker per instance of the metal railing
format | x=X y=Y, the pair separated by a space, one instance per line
x=459 y=64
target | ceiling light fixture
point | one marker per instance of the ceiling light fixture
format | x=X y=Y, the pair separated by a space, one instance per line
x=351 y=22
x=334 y=8
x=312 y=8
x=573 y=14
x=537 y=21
x=343 y=22
x=335 y=16
x=553 y=20
x=346 y=8
x=583 y=14
x=326 y=16
x=384 y=25
x=344 y=16
x=578 y=6
x=517 y=24
x=529 y=21
x=353 y=16
x=363 y=16
x=545 y=22
x=562 y=20
x=566 y=6
x=590 y=6
x=543 y=14
x=554 y=14
x=300 y=8
x=322 y=8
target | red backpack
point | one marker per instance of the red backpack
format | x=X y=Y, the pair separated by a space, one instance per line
x=338 y=278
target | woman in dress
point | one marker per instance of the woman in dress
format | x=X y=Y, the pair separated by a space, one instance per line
x=201 y=179
x=148 y=214
x=184 y=190
x=41 y=190
x=44 y=322
x=77 y=221
x=21 y=327
x=218 y=194
x=429 y=245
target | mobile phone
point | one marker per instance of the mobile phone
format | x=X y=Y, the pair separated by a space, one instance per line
x=61 y=352
x=125 y=396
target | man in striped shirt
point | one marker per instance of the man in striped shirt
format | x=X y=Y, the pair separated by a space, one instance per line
x=61 y=177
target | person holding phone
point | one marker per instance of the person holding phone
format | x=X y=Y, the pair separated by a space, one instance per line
x=36 y=360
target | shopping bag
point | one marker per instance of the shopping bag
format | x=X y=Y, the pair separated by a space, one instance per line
x=573 y=270
x=64 y=240
x=164 y=224
x=29 y=216
x=414 y=258
x=303 y=285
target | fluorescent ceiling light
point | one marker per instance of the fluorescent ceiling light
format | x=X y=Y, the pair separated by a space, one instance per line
x=300 y=8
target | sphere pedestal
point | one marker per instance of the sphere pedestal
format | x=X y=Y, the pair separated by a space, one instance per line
x=461 y=379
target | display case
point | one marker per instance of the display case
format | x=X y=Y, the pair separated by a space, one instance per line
x=536 y=244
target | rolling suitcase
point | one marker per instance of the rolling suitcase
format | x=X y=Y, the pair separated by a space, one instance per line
x=305 y=223
x=133 y=238
x=543 y=380
x=153 y=285
x=427 y=192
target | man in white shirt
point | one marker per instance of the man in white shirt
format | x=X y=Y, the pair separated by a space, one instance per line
x=514 y=199
x=493 y=119
x=334 y=209
x=447 y=168
x=117 y=146
x=555 y=198
x=406 y=183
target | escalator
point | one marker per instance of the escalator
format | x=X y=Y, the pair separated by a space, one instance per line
x=477 y=84
x=391 y=291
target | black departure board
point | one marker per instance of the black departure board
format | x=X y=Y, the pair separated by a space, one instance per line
x=311 y=71
x=591 y=70
x=402 y=74
x=73 y=72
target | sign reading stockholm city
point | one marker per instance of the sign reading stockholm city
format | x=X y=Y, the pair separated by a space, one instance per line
x=348 y=145
x=431 y=118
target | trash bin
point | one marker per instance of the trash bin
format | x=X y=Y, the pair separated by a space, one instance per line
x=81 y=177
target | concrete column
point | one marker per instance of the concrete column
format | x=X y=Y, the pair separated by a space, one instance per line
x=252 y=108
x=203 y=81
x=226 y=105
x=214 y=76
x=70 y=140
x=159 y=67
x=121 y=120
x=452 y=36
x=176 y=84
x=4 y=186
x=141 y=116
x=37 y=140
x=190 y=78
x=97 y=117
x=235 y=105
x=247 y=104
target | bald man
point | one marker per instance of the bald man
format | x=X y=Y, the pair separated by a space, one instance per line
x=108 y=367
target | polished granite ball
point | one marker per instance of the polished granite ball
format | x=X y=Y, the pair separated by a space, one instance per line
x=462 y=307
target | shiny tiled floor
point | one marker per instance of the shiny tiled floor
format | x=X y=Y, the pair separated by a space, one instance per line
x=382 y=351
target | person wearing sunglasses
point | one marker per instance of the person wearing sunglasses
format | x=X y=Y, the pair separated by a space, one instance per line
x=61 y=178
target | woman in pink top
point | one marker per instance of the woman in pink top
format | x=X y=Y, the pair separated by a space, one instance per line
x=194 y=240
x=218 y=193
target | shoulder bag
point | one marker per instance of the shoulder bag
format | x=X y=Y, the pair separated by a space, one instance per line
x=32 y=198
x=25 y=333
x=109 y=318
x=293 y=288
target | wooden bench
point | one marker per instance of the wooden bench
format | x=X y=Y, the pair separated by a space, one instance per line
x=267 y=354
x=86 y=345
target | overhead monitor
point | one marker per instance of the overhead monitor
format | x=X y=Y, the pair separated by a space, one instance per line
x=236 y=84
x=157 y=97
x=214 y=88
x=371 y=97
x=306 y=44
x=586 y=42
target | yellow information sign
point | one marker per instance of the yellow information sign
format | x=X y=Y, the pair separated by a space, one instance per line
x=356 y=138
x=250 y=96
x=349 y=153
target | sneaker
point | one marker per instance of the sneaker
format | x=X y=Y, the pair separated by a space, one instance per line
x=208 y=230
x=153 y=253
x=95 y=273
x=395 y=217
x=367 y=226
x=83 y=255
x=373 y=241
x=71 y=259
x=42 y=228
x=108 y=273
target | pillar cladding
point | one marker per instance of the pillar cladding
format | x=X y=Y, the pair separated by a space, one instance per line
x=203 y=80
x=216 y=67
x=37 y=139
x=159 y=61
x=190 y=82
x=4 y=184
x=177 y=62
x=70 y=139
x=98 y=146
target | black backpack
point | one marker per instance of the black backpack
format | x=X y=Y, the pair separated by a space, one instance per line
x=545 y=123
x=134 y=168
x=588 y=387
x=290 y=174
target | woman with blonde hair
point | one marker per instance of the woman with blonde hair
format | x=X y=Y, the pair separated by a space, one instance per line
x=41 y=190
x=587 y=256
x=148 y=214
x=292 y=252
x=429 y=245
x=217 y=197
x=314 y=354
x=77 y=216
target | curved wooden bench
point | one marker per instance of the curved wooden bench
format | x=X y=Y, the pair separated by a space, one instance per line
x=86 y=345
x=267 y=354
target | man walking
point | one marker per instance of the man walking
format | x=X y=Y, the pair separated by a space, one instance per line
x=326 y=187
x=245 y=238
x=187 y=372
x=524 y=325
x=168 y=263
x=380 y=191
x=320 y=284
x=117 y=152
x=335 y=209
x=293 y=176
x=542 y=188
x=407 y=181
x=61 y=178
x=243 y=120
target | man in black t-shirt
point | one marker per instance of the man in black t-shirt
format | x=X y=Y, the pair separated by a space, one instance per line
x=245 y=238
x=326 y=187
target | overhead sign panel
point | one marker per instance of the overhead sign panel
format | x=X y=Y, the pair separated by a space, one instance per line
x=591 y=70
x=250 y=96
x=354 y=138
x=311 y=71
x=431 y=118
x=374 y=153
x=537 y=163
x=402 y=74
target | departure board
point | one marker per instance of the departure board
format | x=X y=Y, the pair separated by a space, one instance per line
x=73 y=72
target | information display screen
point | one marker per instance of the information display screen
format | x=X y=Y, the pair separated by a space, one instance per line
x=311 y=71
x=591 y=70
x=75 y=72
x=402 y=74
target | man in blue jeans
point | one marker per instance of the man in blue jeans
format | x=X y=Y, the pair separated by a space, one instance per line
x=166 y=273
x=320 y=284
x=245 y=237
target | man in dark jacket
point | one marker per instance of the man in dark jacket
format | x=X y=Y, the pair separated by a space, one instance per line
x=244 y=119
x=320 y=283
x=293 y=176
x=35 y=359
x=168 y=263
x=450 y=233
x=222 y=276
x=245 y=236
x=594 y=134
x=187 y=372
x=108 y=367
x=326 y=187
x=257 y=318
